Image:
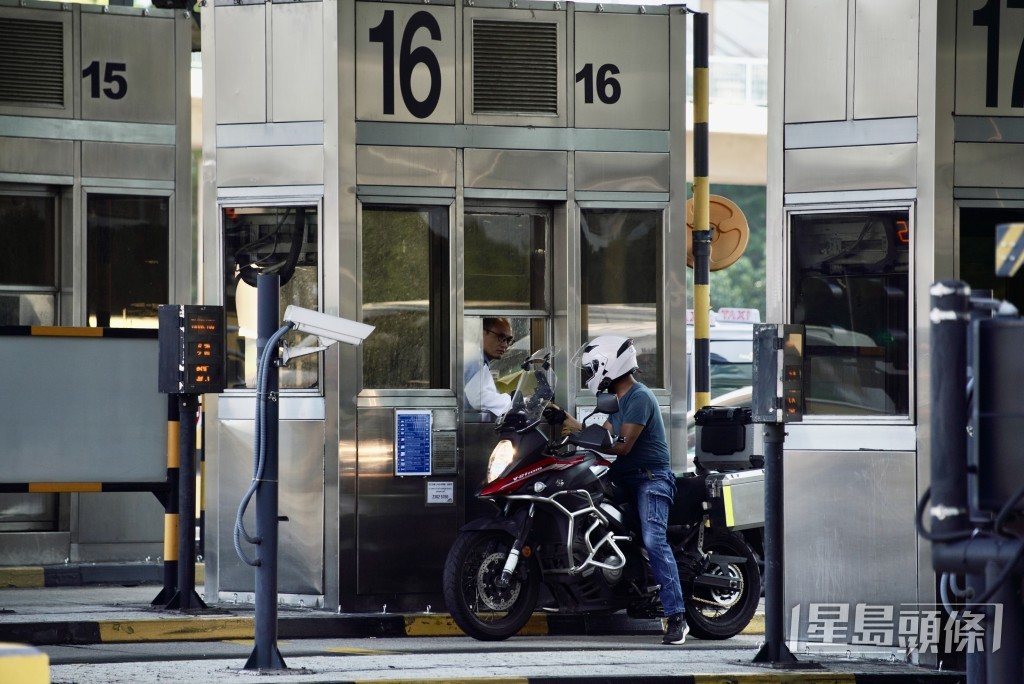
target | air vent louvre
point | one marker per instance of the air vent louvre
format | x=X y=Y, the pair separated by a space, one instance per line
x=515 y=67
x=31 y=62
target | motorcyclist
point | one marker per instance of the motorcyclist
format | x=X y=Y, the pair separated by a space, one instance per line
x=642 y=463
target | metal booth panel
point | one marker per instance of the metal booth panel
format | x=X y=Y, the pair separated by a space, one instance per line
x=614 y=55
x=516 y=99
x=241 y=59
x=256 y=166
x=885 y=59
x=126 y=160
x=847 y=538
x=623 y=171
x=405 y=166
x=297 y=54
x=876 y=167
x=415 y=82
x=816 y=54
x=50 y=92
x=984 y=165
x=114 y=49
x=301 y=501
x=402 y=540
x=516 y=169
x=37 y=156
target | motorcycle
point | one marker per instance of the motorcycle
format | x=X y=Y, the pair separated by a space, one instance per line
x=562 y=527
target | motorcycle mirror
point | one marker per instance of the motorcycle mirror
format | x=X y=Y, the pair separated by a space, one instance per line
x=607 y=403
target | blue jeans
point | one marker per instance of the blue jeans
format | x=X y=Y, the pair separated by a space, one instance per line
x=654 y=491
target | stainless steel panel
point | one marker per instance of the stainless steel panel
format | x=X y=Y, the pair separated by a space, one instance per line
x=512 y=137
x=515 y=169
x=402 y=541
x=988 y=165
x=861 y=196
x=301 y=499
x=885 y=58
x=851 y=168
x=269 y=135
x=972 y=67
x=816 y=54
x=299 y=165
x=241 y=59
x=849 y=534
x=290 y=407
x=627 y=51
x=372 y=82
x=51 y=13
x=992 y=129
x=297 y=58
x=120 y=517
x=849 y=133
x=108 y=131
x=37 y=156
x=853 y=437
x=139 y=50
x=622 y=171
x=408 y=166
x=121 y=160
x=556 y=16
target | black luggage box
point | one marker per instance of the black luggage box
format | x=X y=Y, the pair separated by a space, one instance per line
x=725 y=438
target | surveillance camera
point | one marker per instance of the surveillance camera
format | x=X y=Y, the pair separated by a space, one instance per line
x=326 y=327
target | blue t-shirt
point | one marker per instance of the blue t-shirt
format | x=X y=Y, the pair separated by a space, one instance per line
x=640 y=406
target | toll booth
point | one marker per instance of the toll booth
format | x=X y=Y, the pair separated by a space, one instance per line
x=426 y=168
x=95 y=214
x=895 y=135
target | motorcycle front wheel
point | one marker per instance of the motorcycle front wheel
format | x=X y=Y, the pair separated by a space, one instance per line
x=480 y=607
x=715 y=613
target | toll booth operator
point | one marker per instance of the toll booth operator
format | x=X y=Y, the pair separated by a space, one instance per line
x=481 y=392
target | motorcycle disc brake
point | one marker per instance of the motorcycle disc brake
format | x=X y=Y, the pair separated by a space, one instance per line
x=493 y=596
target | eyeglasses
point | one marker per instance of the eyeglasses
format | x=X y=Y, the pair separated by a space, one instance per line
x=507 y=339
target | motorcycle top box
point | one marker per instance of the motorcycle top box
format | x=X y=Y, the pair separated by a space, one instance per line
x=560 y=524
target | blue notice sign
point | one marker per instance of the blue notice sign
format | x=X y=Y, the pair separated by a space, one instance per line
x=412 y=442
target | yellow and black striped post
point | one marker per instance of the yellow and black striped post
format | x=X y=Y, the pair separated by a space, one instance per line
x=701 y=217
x=171 y=505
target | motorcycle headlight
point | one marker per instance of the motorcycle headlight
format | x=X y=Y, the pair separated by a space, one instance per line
x=501 y=458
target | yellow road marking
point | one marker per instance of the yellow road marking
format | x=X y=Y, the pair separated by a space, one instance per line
x=358 y=651
x=443 y=625
x=23 y=664
x=22 y=577
x=219 y=629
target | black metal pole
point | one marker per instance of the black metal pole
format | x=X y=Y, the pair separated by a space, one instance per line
x=774 y=651
x=265 y=654
x=188 y=405
x=948 y=373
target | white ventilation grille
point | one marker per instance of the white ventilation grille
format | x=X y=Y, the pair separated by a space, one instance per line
x=515 y=67
x=31 y=62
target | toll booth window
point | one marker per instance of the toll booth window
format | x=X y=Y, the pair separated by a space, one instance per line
x=28 y=279
x=406 y=296
x=850 y=289
x=127 y=263
x=621 y=273
x=269 y=240
x=506 y=259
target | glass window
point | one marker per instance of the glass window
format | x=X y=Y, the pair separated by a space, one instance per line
x=406 y=295
x=127 y=268
x=28 y=268
x=621 y=281
x=850 y=289
x=282 y=240
x=506 y=259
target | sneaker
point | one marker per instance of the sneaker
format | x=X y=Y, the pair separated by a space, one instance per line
x=677 y=630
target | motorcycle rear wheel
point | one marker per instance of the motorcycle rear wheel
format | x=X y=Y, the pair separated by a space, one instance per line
x=481 y=608
x=720 y=613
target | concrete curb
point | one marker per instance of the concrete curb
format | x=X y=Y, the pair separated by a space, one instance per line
x=78 y=575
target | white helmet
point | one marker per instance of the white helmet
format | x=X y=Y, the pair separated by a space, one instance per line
x=604 y=360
